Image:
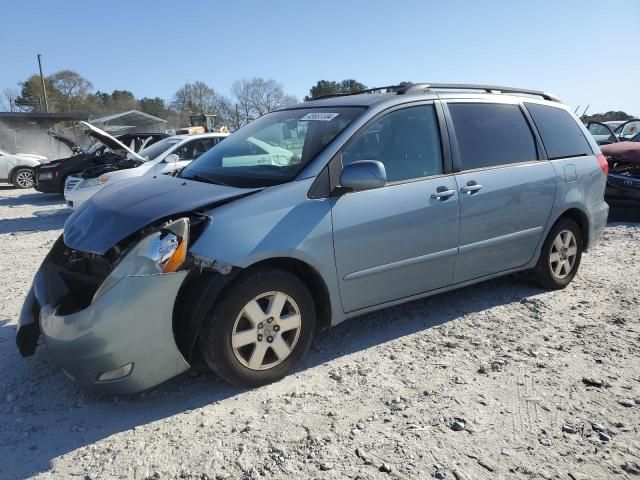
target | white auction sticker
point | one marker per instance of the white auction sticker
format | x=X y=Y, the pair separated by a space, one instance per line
x=320 y=116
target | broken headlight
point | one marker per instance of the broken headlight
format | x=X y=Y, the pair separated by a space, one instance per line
x=164 y=251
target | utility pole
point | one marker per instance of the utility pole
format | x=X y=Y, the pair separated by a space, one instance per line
x=44 y=89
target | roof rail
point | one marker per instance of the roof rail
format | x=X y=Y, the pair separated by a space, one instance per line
x=423 y=87
x=368 y=90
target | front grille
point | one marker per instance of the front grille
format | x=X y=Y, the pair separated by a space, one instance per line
x=72 y=277
x=71 y=183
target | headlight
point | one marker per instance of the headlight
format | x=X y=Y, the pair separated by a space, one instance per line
x=161 y=252
x=92 y=182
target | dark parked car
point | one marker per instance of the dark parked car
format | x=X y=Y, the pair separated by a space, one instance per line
x=50 y=177
x=623 y=181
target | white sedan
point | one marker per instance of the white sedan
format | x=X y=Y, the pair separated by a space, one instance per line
x=17 y=168
x=163 y=157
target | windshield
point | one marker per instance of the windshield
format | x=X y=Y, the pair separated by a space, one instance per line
x=272 y=149
x=153 y=151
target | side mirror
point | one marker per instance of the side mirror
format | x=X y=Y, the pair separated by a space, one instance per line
x=363 y=175
x=171 y=158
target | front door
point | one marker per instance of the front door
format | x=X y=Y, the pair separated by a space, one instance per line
x=506 y=190
x=399 y=240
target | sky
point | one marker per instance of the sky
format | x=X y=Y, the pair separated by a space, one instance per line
x=585 y=52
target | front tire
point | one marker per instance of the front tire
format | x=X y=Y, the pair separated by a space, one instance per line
x=22 y=178
x=560 y=256
x=260 y=329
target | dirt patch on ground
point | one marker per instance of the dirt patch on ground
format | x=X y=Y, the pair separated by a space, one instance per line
x=500 y=380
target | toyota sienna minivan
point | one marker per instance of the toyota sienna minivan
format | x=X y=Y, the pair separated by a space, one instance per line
x=381 y=198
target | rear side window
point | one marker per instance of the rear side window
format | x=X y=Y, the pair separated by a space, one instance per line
x=491 y=134
x=561 y=135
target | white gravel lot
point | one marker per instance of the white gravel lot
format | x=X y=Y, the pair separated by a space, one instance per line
x=500 y=380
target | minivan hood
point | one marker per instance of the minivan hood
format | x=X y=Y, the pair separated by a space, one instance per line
x=112 y=143
x=122 y=209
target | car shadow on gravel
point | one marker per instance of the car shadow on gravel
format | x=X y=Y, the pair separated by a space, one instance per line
x=45 y=220
x=30 y=197
x=55 y=418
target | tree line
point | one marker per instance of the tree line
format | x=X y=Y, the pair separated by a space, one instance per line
x=68 y=91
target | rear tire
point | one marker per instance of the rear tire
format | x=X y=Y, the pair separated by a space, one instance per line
x=260 y=329
x=22 y=178
x=560 y=255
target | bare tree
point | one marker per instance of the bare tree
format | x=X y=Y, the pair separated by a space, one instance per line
x=8 y=99
x=229 y=113
x=257 y=96
x=71 y=87
x=196 y=97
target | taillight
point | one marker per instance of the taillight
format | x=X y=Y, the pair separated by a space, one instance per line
x=604 y=165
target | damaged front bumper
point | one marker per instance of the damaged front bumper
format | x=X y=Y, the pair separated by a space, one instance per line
x=121 y=343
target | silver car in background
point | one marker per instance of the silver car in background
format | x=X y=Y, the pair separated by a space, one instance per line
x=360 y=202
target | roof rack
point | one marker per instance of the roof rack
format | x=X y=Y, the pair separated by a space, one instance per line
x=423 y=87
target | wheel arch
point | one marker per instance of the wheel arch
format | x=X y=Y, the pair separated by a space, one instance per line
x=582 y=219
x=312 y=280
x=202 y=289
x=13 y=171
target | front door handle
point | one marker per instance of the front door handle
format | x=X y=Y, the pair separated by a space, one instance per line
x=471 y=187
x=442 y=193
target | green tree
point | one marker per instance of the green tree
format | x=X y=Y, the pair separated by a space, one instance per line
x=30 y=98
x=153 y=106
x=122 y=101
x=607 y=117
x=329 y=87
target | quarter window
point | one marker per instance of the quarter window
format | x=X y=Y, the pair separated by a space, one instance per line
x=491 y=134
x=406 y=141
x=561 y=135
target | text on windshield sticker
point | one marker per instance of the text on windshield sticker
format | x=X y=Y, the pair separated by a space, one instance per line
x=320 y=116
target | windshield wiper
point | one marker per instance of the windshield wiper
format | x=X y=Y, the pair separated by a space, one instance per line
x=200 y=178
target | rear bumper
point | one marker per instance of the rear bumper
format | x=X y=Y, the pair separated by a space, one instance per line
x=598 y=215
x=624 y=193
x=129 y=325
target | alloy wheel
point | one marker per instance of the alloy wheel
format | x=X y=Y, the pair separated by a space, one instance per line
x=24 y=179
x=266 y=330
x=564 y=251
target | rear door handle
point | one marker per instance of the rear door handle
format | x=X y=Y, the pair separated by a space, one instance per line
x=471 y=187
x=442 y=193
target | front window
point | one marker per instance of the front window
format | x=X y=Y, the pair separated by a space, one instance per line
x=272 y=149
x=406 y=141
x=153 y=151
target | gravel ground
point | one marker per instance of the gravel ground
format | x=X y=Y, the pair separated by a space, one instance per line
x=500 y=380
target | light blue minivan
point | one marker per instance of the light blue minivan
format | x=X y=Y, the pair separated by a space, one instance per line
x=380 y=198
